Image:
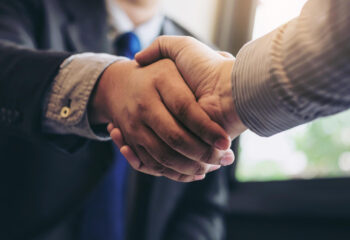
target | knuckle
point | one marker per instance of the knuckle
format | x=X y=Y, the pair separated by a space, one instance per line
x=165 y=66
x=157 y=121
x=164 y=160
x=202 y=128
x=207 y=156
x=167 y=62
x=200 y=169
x=141 y=107
x=133 y=125
x=175 y=140
x=138 y=167
x=160 y=41
x=159 y=168
x=139 y=148
x=161 y=156
x=183 y=178
x=160 y=77
x=182 y=109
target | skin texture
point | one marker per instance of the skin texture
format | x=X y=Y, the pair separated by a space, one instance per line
x=151 y=106
x=178 y=145
x=206 y=72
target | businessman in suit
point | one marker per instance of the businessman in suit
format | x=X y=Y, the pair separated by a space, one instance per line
x=60 y=178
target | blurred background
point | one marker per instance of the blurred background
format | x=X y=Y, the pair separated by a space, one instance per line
x=293 y=185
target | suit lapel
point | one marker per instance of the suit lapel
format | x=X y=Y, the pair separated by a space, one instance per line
x=87 y=27
x=173 y=29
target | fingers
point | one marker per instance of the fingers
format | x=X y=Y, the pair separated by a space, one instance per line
x=179 y=139
x=162 y=47
x=132 y=158
x=177 y=96
x=117 y=137
x=153 y=53
x=110 y=127
x=159 y=144
x=169 y=158
x=183 y=105
x=173 y=47
x=163 y=161
x=152 y=168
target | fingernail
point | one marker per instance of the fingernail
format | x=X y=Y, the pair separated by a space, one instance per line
x=227 y=159
x=199 y=177
x=214 y=168
x=222 y=144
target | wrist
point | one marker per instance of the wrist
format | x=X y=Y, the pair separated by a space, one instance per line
x=97 y=108
x=109 y=92
x=232 y=122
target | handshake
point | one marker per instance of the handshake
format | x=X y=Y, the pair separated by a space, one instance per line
x=171 y=112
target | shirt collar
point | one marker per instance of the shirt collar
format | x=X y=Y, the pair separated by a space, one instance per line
x=119 y=23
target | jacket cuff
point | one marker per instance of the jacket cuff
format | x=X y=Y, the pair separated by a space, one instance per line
x=65 y=106
x=256 y=89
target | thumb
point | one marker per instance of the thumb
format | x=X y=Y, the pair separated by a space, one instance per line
x=162 y=47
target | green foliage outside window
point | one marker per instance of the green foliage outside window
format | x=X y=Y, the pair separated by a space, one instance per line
x=324 y=146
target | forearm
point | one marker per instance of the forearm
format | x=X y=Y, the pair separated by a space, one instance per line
x=297 y=73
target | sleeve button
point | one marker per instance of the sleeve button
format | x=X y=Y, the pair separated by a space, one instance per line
x=65 y=111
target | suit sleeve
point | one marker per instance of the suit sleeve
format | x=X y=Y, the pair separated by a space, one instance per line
x=26 y=73
x=201 y=214
x=297 y=73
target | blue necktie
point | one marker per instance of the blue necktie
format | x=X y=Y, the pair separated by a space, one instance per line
x=104 y=213
x=127 y=44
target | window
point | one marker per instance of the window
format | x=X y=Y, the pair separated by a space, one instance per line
x=318 y=149
x=198 y=16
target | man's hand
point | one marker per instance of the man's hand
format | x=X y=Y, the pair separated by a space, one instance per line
x=207 y=73
x=166 y=128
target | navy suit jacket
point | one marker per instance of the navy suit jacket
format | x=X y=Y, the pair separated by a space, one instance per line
x=45 y=178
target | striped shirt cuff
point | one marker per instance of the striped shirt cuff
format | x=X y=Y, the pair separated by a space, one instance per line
x=65 y=110
x=255 y=91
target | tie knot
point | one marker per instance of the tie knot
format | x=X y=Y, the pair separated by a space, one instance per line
x=127 y=44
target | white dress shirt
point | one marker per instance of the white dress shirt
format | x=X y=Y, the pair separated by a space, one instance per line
x=79 y=73
x=120 y=23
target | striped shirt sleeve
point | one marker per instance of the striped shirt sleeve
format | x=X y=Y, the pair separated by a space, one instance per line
x=297 y=73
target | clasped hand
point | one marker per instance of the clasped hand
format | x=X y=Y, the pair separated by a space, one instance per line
x=171 y=113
